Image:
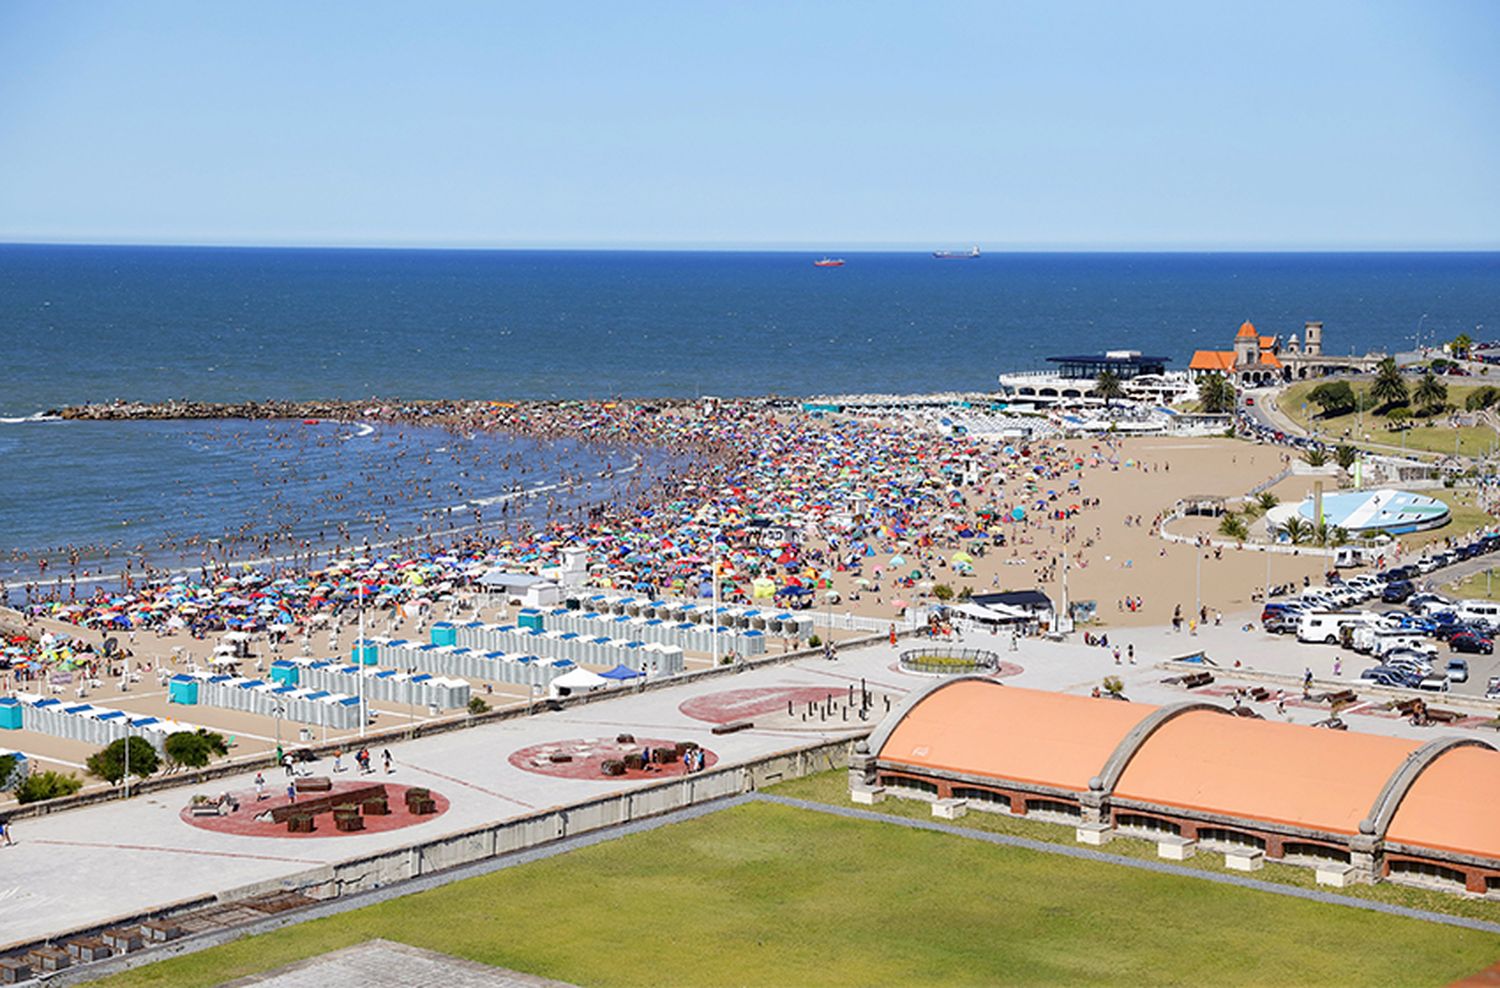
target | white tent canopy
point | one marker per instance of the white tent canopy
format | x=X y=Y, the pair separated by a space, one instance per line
x=579 y=679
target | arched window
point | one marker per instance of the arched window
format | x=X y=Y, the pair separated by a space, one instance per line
x=1224 y=839
x=1139 y=824
x=985 y=797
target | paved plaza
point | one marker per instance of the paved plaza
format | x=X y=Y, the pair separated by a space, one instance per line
x=89 y=865
x=386 y=964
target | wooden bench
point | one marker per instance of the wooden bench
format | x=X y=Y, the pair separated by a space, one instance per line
x=160 y=931
x=322 y=804
x=14 y=970
x=1342 y=696
x=732 y=727
x=86 y=950
x=314 y=783
x=46 y=959
x=124 y=939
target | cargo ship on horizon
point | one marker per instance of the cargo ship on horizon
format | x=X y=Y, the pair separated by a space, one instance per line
x=829 y=262
x=956 y=255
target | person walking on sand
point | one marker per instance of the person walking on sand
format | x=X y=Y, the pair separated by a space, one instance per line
x=260 y=787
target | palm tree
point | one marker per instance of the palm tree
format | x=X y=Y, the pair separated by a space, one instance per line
x=1267 y=500
x=1108 y=386
x=1233 y=526
x=1296 y=530
x=1346 y=456
x=1482 y=398
x=1389 y=387
x=1431 y=394
x=1215 y=393
x=1316 y=457
x=1461 y=345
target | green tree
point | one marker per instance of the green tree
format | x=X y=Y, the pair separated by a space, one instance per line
x=1233 y=526
x=1267 y=500
x=1397 y=418
x=1316 y=457
x=1108 y=386
x=477 y=705
x=1334 y=397
x=1346 y=456
x=1215 y=393
x=1114 y=685
x=1431 y=394
x=109 y=763
x=1461 y=346
x=1389 y=387
x=191 y=749
x=1296 y=530
x=47 y=785
x=1481 y=398
x=8 y=765
x=943 y=592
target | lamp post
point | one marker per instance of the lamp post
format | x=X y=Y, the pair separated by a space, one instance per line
x=1418 y=338
x=128 y=736
x=363 y=715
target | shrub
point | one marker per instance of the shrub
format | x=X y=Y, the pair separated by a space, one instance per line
x=191 y=749
x=47 y=785
x=943 y=592
x=814 y=641
x=613 y=766
x=7 y=768
x=109 y=764
x=477 y=705
x=1114 y=685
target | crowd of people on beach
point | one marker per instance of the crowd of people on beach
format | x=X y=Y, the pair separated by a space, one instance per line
x=779 y=506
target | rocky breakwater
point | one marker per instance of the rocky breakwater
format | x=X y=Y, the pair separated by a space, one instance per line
x=335 y=410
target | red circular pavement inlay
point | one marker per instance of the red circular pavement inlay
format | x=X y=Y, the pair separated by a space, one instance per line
x=585 y=759
x=731 y=705
x=252 y=819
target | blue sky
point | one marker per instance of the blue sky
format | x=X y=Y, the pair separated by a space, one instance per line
x=831 y=126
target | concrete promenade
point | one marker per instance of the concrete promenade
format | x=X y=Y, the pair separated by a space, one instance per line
x=86 y=866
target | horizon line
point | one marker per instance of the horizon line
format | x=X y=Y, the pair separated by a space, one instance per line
x=759 y=248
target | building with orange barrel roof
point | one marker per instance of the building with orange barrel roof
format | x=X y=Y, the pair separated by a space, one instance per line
x=1194 y=775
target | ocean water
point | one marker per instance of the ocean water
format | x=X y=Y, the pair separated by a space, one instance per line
x=85 y=496
x=91 y=324
x=96 y=323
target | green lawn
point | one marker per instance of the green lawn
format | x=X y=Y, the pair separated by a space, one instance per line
x=1425 y=435
x=1479 y=586
x=770 y=895
x=833 y=788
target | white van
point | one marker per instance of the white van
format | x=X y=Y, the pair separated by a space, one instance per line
x=1388 y=641
x=1326 y=626
x=1474 y=610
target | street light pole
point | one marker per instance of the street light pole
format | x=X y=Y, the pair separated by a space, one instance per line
x=363 y=714
x=127 y=756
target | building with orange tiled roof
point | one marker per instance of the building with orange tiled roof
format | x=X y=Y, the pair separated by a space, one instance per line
x=1193 y=775
x=1258 y=361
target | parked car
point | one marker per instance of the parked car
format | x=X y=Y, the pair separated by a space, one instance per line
x=1397 y=591
x=1492 y=689
x=1469 y=641
x=1458 y=671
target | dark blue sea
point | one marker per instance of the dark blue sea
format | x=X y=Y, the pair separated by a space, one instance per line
x=97 y=323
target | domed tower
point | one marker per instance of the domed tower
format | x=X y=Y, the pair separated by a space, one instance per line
x=1312 y=339
x=1292 y=346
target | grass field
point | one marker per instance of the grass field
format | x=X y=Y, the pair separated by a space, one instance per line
x=771 y=895
x=1425 y=435
x=1477 y=586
